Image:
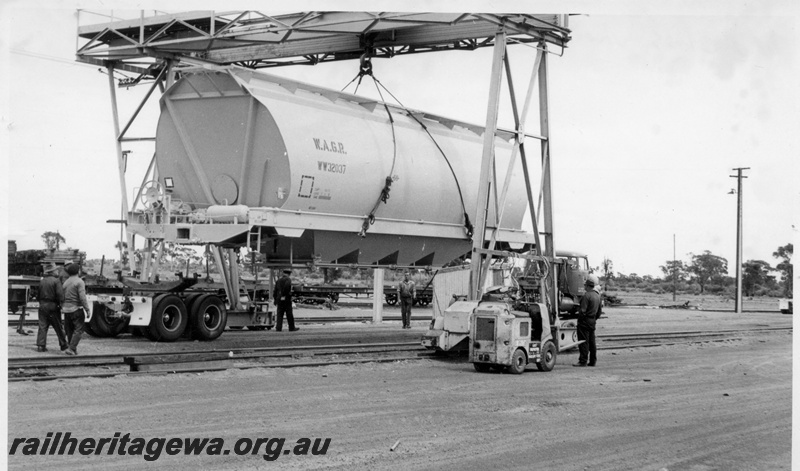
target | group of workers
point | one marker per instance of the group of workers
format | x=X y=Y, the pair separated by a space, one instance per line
x=57 y=295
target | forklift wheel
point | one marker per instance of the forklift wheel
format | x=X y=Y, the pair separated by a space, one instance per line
x=549 y=354
x=518 y=362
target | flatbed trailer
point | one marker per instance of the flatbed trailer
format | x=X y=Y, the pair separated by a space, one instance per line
x=318 y=294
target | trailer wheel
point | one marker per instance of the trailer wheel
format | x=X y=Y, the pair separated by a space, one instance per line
x=103 y=325
x=518 y=362
x=137 y=331
x=391 y=299
x=190 y=301
x=169 y=319
x=549 y=354
x=481 y=367
x=209 y=317
x=87 y=327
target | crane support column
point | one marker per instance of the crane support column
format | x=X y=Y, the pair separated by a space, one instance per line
x=547 y=193
x=120 y=164
x=487 y=165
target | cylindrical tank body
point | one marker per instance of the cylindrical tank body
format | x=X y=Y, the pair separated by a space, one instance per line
x=240 y=137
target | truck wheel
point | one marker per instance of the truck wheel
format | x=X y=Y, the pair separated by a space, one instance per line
x=518 y=362
x=481 y=367
x=169 y=319
x=549 y=354
x=209 y=317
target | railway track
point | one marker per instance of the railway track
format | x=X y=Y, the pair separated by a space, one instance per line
x=63 y=367
x=51 y=368
x=13 y=324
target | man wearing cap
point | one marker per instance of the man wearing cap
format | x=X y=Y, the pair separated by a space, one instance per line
x=590 y=310
x=51 y=296
x=283 y=301
x=74 y=305
x=406 y=292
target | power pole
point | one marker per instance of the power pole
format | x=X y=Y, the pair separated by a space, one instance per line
x=739 y=178
x=674 y=271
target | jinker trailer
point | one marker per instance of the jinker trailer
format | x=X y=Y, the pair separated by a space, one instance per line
x=309 y=176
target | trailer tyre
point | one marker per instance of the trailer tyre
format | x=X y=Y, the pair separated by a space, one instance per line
x=169 y=319
x=103 y=325
x=209 y=317
x=391 y=299
x=190 y=301
x=549 y=354
x=87 y=327
x=518 y=362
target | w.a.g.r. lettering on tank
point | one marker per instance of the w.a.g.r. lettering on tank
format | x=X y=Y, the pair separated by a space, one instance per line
x=329 y=146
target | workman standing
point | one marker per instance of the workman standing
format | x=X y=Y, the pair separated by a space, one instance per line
x=51 y=296
x=590 y=310
x=74 y=308
x=406 y=292
x=283 y=301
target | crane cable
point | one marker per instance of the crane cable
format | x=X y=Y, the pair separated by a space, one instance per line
x=467 y=224
x=366 y=69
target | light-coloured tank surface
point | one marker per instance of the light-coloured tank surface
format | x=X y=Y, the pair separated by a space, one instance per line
x=237 y=137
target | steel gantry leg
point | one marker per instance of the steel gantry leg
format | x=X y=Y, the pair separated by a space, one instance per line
x=487 y=161
x=487 y=185
x=547 y=190
x=120 y=165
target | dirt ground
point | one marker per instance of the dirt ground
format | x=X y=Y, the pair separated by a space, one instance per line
x=717 y=405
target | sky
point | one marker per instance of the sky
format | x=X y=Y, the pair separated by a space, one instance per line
x=650 y=111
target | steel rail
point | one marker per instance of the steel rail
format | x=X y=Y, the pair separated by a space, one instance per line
x=238 y=352
x=657 y=335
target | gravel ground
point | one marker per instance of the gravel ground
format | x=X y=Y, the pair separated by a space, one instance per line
x=716 y=405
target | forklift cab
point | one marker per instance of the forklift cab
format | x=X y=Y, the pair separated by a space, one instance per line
x=505 y=339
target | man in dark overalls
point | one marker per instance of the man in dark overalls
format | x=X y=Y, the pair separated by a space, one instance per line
x=51 y=296
x=587 y=316
x=283 y=301
x=406 y=292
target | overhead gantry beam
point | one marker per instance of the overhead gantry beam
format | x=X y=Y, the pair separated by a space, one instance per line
x=253 y=39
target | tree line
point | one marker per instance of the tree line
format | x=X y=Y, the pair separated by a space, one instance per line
x=708 y=273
